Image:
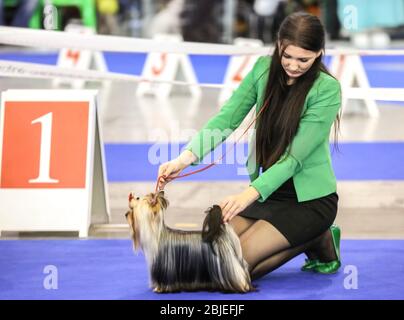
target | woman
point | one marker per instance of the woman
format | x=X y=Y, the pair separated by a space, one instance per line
x=289 y=208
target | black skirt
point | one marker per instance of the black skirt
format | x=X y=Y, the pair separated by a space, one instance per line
x=299 y=222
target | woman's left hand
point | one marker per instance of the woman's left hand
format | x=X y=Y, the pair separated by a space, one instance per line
x=234 y=204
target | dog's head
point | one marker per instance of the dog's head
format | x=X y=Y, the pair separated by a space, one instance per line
x=145 y=216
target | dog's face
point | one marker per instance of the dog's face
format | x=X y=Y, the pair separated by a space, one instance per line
x=145 y=211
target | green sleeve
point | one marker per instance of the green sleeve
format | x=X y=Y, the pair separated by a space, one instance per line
x=314 y=128
x=232 y=113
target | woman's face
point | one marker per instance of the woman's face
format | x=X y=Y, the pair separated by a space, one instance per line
x=296 y=61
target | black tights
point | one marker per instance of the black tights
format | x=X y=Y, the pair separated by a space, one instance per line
x=265 y=248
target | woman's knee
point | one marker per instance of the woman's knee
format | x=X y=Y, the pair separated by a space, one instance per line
x=241 y=224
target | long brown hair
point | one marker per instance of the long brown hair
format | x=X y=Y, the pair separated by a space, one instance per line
x=279 y=122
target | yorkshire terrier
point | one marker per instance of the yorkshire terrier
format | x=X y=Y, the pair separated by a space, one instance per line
x=180 y=260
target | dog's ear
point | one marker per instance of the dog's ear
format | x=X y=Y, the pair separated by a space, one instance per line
x=153 y=199
x=158 y=198
x=164 y=202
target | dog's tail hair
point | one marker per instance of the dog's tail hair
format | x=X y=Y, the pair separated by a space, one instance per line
x=212 y=225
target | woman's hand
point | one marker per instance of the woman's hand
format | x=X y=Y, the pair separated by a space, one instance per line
x=234 y=204
x=173 y=168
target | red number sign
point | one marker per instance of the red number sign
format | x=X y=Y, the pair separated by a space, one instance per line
x=44 y=144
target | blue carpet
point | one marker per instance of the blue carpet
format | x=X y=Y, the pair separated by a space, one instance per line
x=355 y=161
x=108 y=269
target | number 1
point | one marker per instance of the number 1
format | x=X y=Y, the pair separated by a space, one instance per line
x=45 y=153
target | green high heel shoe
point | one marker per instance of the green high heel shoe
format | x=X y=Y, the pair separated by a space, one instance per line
x=326 y=267
x=309 y=264
x=332 y=266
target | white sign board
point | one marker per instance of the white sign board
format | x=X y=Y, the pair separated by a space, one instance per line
x=52 y=175
x=79 y=59
x=165 y=67
x=349 y=69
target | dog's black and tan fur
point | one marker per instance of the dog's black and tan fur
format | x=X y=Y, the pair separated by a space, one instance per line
x=210 y=259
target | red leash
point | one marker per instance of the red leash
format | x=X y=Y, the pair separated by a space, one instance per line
x=215 y=162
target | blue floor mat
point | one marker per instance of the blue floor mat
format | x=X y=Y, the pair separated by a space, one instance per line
x=108 y=269
x=355 y=161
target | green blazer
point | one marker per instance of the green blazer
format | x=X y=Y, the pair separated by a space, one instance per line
x=308 y=160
